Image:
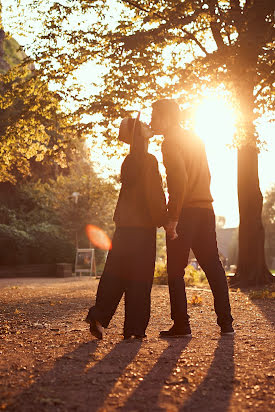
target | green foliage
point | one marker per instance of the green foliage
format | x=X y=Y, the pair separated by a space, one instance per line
x=161 y=245
x=160 y=275
x=42 y=243
x=32 y=126
x=269 y=225
x=14 y=245
x=192 y=276
x=13 y=55
x=39 y=220
x=195 y=277
x=51 y=245
x=269 y=206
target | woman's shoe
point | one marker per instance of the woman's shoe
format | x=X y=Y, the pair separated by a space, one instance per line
x=227 y=329
x=96 y=328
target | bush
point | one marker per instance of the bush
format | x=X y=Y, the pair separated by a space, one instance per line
x=160 y=275
x=43 y=243
x=192 y=276
x=14 y=245
x=50 y=245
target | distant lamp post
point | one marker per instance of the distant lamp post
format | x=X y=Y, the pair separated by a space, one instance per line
x=74 y=197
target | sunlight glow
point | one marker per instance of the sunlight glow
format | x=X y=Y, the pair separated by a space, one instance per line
x=214 y=121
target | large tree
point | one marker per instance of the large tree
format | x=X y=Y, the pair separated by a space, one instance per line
x=173 y=48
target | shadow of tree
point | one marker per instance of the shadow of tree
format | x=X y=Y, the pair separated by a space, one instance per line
x=215 y=391
x=155 y=379
x=77 y=381
x=266 y=306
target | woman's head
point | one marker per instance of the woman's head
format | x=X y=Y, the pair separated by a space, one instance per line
x=135 y=133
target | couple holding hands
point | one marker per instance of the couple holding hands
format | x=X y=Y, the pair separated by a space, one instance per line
x=188 y=219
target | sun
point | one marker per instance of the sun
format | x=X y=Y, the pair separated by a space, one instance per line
x=214 y=121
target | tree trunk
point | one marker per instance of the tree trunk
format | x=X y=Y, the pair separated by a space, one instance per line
x=251 y=268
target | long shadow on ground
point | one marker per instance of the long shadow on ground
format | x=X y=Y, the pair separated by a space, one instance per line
x=155 y=379
x=72 y=384
x=215 y=391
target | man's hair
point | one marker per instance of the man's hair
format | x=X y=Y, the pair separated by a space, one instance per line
x=168 y=107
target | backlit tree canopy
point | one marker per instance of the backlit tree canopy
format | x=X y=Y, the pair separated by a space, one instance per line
x=162 y=48
x=33 y=128
x=32 y=125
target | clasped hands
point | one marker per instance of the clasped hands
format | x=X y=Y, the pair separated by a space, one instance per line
x=170 y=229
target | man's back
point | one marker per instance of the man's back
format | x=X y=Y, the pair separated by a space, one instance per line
x=188 y=175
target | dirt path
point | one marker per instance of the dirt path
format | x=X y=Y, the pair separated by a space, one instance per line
x=49 y=362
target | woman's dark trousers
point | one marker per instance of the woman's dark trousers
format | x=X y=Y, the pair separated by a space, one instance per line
x=129 y=270
x=196 y=231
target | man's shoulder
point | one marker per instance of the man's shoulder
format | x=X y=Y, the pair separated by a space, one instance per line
x=183 y=138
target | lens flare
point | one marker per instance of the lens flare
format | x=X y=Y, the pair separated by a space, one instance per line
x=98 y=237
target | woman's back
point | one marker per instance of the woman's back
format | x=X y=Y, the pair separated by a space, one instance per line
x=141 y=201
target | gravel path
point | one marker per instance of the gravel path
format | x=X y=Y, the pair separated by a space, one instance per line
x=49 y=362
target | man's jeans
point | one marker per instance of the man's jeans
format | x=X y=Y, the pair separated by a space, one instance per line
x=196 y=231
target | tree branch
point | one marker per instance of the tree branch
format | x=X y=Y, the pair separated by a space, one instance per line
x=184 y=21
x=215 y=26
x=137 y=6
x=264 y=85
x=192 y=37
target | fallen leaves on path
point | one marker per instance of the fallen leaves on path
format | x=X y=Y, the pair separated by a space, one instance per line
x=49 y=362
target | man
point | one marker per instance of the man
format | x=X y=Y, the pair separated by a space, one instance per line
x=190 y=220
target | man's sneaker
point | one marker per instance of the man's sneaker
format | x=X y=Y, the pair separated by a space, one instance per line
x=95 y=328
x=176 y=332
x=227 y=330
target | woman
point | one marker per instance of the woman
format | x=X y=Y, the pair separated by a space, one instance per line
x=129 y=268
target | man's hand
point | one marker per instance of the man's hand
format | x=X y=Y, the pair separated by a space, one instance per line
x=170 y=228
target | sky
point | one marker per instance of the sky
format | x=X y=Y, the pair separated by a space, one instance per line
x=214 y=123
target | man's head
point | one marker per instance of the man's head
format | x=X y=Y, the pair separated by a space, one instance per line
x=165 y=114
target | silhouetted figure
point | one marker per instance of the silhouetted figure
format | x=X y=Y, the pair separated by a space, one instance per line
x=129 y=268
x=191 y=220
